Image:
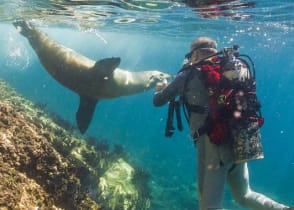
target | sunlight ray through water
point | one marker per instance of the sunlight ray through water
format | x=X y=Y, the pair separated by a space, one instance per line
x=156 y=34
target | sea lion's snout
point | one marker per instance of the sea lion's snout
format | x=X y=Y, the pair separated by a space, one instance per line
x=156 y=77
x=160 y=76
x=164 y=76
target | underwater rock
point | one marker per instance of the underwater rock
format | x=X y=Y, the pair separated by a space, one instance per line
x=45 y=166
x=31 y=164
x=20 y=192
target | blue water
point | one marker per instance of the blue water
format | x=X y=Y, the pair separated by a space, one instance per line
x=158 y=38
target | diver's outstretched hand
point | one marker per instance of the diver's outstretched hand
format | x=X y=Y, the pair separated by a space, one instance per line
x=161 y=85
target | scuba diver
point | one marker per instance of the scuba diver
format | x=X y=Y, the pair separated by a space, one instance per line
x=218 y=92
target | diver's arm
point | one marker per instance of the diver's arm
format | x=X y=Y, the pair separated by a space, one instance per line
x=172 y=90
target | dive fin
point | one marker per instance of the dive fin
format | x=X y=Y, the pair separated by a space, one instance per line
x=85 y=112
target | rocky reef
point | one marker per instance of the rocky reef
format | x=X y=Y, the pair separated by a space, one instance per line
x=44 y=164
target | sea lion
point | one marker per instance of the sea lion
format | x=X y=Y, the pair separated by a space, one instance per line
x=92 y=80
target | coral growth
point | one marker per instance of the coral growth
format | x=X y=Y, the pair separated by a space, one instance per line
x=45 y=166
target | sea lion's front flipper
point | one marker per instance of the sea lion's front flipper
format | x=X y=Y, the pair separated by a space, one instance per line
x=105 y=67
x=85 y=112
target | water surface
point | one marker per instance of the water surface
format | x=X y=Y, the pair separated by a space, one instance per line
x=156 y=35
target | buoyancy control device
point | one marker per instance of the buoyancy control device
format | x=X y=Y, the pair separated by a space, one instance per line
x=231 y=101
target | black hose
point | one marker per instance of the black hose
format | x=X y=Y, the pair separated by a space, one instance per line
x=169 y=129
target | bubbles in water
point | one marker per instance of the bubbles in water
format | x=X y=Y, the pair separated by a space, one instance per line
x=16 y=53
x=99 y=35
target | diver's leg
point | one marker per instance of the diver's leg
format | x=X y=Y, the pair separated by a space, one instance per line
x=238 y=179
x=211 y=175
